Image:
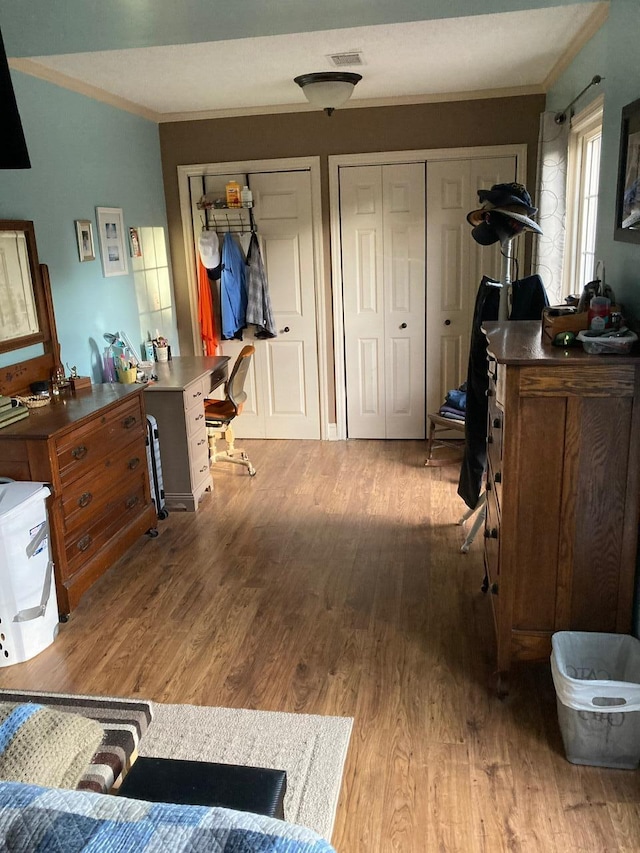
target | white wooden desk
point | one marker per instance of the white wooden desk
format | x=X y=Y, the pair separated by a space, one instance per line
x=176 y=400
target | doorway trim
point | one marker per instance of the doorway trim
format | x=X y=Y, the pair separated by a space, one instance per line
x=381 y=158
x=284 y=164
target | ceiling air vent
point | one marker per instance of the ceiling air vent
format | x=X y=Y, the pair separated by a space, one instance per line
x=349 y=57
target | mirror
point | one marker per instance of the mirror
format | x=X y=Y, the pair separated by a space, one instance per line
x=27 y=322
x=23 y=308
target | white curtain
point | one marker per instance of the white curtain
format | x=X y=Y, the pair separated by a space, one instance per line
x=551 y=202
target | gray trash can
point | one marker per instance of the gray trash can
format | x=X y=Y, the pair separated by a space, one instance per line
x=597 y=682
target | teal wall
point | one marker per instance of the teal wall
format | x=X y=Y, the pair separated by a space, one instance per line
x=84 y=154
x=613 y=53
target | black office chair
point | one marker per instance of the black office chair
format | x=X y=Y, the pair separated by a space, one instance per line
x=220 y=413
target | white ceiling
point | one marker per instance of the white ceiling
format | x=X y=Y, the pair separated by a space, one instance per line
x=506 y=53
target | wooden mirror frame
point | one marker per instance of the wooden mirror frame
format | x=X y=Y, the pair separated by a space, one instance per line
x=627 y=172
x=17 y=378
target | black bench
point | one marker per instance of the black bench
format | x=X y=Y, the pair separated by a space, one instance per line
x=199 y=783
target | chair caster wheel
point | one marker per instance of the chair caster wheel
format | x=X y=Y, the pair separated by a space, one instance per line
x=252 y=471
x=63 y=617
x=152 y=532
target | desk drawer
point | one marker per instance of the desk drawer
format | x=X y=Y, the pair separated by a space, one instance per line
x=195 y=393
x=199 y=460
x=88 y=496
x=89 y=445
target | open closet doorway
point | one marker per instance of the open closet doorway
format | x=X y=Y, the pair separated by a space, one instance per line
x=286 y=386
x=380 y=264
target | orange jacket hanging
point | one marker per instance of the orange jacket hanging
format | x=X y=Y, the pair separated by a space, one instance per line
x=205 y=312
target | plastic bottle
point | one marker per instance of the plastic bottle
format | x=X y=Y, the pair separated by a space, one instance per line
x=233 y=194
x=109 y=367
x=246 y=197
x=599 y=311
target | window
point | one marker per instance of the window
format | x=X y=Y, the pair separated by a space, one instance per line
x=583 y=167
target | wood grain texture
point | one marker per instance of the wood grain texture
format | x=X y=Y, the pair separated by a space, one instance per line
x=332 y=583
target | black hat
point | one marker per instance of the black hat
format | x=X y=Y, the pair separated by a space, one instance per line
x=496 y=226
x=502 y=194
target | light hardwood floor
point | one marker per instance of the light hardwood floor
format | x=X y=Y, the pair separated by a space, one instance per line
x=332 y=583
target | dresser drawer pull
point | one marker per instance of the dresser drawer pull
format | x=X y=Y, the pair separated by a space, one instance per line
x=84 y=543
x=497 y=477
x=127 y=423
x=493 y=589
x=497 y=423
x=131 y=502
x=491 y=533
x=85 y=499
x=133 y=463
x=79 y=452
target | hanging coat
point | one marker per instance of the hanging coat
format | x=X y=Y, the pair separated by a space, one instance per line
x=233 y=294
x=528 y=298
x=258 y=299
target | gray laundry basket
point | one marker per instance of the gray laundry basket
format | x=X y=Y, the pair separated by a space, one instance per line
x=597 y=682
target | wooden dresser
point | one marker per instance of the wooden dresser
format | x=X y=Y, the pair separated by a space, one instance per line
x=562 y=490
x=90 y=447
x=176 y=400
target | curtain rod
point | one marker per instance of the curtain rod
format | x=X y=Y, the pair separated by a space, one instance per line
x=561 y=117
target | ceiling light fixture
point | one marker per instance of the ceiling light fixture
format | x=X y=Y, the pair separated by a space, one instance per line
x=328 y=89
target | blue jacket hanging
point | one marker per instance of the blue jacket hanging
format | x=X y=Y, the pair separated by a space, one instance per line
x=233 y=294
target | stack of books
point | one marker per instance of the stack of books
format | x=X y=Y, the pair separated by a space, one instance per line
x=9 y=414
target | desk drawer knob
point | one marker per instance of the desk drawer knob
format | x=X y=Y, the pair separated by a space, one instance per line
x=197 y=394
x=84 y=543
x=79 y=452
x=132 y=464
x=200 y=416
x=85 y=499
x=131 y=502
x=127 y=423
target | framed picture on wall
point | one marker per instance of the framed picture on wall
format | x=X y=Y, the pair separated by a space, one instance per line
x=628 y=197
x=84 y=235
x=112 y=241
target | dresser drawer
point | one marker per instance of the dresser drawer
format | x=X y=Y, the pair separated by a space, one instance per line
x=119 y=508
x=87 y=497
x=90 y=444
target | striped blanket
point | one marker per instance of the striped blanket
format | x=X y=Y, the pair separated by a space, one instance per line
x=34 y=818
x=124 y=721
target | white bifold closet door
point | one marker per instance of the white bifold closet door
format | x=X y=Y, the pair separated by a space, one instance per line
x=382 y=210
x=456 y=264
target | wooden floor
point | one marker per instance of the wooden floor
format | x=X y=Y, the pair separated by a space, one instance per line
x=332 y=583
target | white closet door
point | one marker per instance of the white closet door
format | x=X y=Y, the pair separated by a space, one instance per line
x=455 y=265
x=382 y=222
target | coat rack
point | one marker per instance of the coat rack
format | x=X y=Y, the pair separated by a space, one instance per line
x=222 y=219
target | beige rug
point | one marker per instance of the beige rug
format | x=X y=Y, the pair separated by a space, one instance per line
x=311 y=748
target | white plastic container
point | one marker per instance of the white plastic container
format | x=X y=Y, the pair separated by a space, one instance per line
x=601 y=345
x=28 y=605
x=597 y=682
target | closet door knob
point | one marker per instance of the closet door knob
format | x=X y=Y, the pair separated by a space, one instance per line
x=285 y=330
x=403 y=325
x=447 y=322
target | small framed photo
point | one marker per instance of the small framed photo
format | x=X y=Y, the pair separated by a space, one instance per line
x=112 y=241
x=628 y=197
x=84 y=235
x=134 y=243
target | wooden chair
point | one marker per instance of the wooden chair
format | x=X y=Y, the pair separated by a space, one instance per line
x=439 y=424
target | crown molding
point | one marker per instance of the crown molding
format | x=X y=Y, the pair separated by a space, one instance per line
x=586 y=33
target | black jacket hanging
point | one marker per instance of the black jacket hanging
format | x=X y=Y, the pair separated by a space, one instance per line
x=528 y=298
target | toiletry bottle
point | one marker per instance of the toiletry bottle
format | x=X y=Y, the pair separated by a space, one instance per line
x=233 y=194
x=247 y=197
